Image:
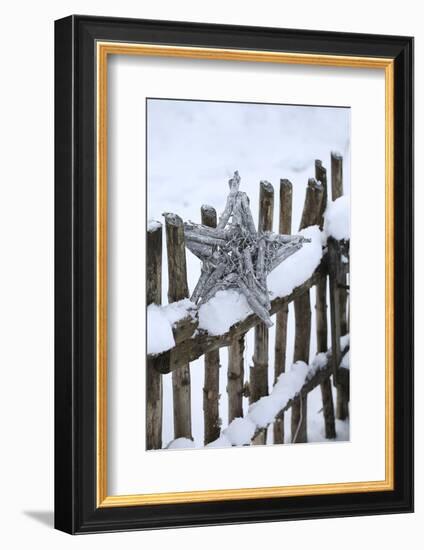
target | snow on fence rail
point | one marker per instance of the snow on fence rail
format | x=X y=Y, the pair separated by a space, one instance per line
x=181 y=332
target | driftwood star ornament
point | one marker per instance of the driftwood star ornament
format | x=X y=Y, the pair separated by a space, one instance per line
x=235 y=255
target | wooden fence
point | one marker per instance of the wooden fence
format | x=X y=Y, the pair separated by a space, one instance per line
x=191 y=342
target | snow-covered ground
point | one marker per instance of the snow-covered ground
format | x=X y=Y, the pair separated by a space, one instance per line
x=193 y=149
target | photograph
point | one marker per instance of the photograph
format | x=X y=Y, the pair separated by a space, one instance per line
x=247 y=277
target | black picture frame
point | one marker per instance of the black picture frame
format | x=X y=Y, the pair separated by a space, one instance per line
x=76 y=510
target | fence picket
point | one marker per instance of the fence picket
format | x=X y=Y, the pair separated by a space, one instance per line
x=285 y=225
x=321 y=318
x=235 y=378
x=211 y=381
x=259 y=372
x=153 y=377
x=177 y=290
x=302 y=310
x=342 y=408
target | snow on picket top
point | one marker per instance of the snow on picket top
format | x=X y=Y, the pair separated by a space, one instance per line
x=153 y=225
x=228 y=307
x=337 y=219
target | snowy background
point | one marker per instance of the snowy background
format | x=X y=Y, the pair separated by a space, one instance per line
x=193 y=148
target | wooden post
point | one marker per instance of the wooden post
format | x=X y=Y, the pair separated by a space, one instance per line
x=333 y=269
x=321 y=318
x=285 y=224
x=178 y=290
x=235 y=383
x=336 y=273
x=336 y=175
x=337 y=192
x=342 y=409
x=153 y=377
x=259 y=371
x=211 y=383
x=302 y=310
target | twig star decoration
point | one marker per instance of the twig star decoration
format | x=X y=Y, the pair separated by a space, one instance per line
x=235 y=255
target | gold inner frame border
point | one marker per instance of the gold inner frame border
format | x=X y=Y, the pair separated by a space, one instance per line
x=103 y=50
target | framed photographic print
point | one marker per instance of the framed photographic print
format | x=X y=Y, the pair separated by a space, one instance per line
x=234 y=268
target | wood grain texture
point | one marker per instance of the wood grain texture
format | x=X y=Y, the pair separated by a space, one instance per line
x=154 y=392
x=284 y=227
x=321 y=317
x=302 y=311
x=235 y=378
x=342 y=409
x=258 y=379
x=178 y=290
x=211 y=381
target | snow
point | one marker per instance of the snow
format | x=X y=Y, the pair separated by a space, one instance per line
x=159 y=332
x=345 y=361
x=152 y=225
x=240 y=431
x=181 y=443
x=178 y=310
x=337 y=219
x=264 y=411
x=160 y=320
x=297 y=268
x=222 y=311
x=219 y=443
x=320 y=360
x=344 y=341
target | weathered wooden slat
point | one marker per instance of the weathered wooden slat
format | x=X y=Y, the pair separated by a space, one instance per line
x=322 y=345
x=302 y=310
x=337 y=192
x=153 y=377
x=178 y=290
x=211 y=418
x=333 y=269
x=181 y=390
x=335 y=274
x=321 y=176
x=321 y=318
x=336 y=175
x=235 y=378
x=258 y=379
x=342 y=408
x=184 y=329
x=211 y=380
x=285 y=227
x=193 y=348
